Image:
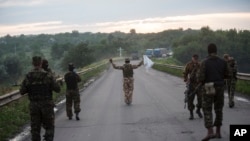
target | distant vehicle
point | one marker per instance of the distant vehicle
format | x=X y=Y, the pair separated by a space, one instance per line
x=149 y=53
x=160 y=52
x=135 y=55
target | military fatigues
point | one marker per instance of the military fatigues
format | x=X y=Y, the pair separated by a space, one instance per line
x=190 y=74
x=72 y=93
x=128 y=80
x=213 y=69
x=231 y=81
x=39 y=86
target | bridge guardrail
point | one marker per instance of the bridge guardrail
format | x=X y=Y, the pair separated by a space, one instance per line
x=15 y=95
x=241 y=76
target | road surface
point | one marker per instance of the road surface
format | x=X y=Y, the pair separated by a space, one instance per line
x=156 y=114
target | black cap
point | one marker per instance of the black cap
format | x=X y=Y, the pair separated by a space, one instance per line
x=211 y=48
x=71 y=66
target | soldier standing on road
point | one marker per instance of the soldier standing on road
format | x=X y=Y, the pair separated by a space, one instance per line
x=212 y=73
x=128 y=80
x=39 y=85
x=72 y=92
x=231 y=81
x=190 y=77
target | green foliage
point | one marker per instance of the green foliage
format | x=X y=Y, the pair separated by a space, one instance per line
x=170 y=60
x=13 y=117
x=168 y=70
x=80 y=56
x=58 y=50
x=243 y=87
x=232 y=42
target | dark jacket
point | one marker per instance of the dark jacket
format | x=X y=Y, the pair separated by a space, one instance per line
x=213 y=69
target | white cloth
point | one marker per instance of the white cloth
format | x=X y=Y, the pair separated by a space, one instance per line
x=147 y=62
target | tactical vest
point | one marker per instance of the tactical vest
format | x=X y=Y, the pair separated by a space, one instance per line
x=128 y=70
x=71 y=81
x=194 y=69
x=38 y=87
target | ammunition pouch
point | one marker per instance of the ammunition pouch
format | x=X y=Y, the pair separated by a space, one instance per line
x=209 y=88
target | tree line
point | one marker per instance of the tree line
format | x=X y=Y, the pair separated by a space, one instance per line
x=85 y=48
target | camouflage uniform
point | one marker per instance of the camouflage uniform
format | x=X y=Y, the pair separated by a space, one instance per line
x=190 y=75
x=128 y=80
x=231 y=81
x=39 y=86
x=213 y=69
x=72 y=93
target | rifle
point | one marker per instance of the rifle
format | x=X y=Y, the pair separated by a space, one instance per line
x=188 y=92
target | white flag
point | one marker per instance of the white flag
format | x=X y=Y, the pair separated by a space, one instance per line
x=147 y=62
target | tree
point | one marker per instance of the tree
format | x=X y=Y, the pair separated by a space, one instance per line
x=80 y=56
x=13 y=67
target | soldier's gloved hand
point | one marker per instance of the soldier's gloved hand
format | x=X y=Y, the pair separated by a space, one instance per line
x=110 y=60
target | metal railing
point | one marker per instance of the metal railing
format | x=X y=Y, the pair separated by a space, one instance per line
x=15 y=95
x=241 y=76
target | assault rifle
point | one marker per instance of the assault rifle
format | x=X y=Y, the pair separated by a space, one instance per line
x=188 y=93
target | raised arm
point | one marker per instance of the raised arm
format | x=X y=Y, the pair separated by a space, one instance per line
x=114 y=65
x=138 y=65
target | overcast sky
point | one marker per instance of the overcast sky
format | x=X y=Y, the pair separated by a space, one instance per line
x=58 y=16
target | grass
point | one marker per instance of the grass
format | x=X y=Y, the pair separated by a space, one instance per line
x=168 y=70
x=170 y=61
x=242 y=86
x=15 y=115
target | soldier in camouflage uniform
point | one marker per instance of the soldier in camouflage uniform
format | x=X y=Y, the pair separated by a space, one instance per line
x=128 y=80
x=190 y=77
x=231 y=81
x=212 y=73
x=72 y=92
x=39 y=85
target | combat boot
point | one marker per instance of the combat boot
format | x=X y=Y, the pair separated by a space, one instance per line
x=191 y=115
x=210 y=134
x=77 y=116
x=218 y=135
x=231 y=104
x=198 y=111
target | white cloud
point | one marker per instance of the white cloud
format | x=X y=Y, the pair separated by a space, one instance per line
x=12 y=3
x=222 y=21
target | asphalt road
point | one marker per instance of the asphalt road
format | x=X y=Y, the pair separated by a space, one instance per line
x=156 y=114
